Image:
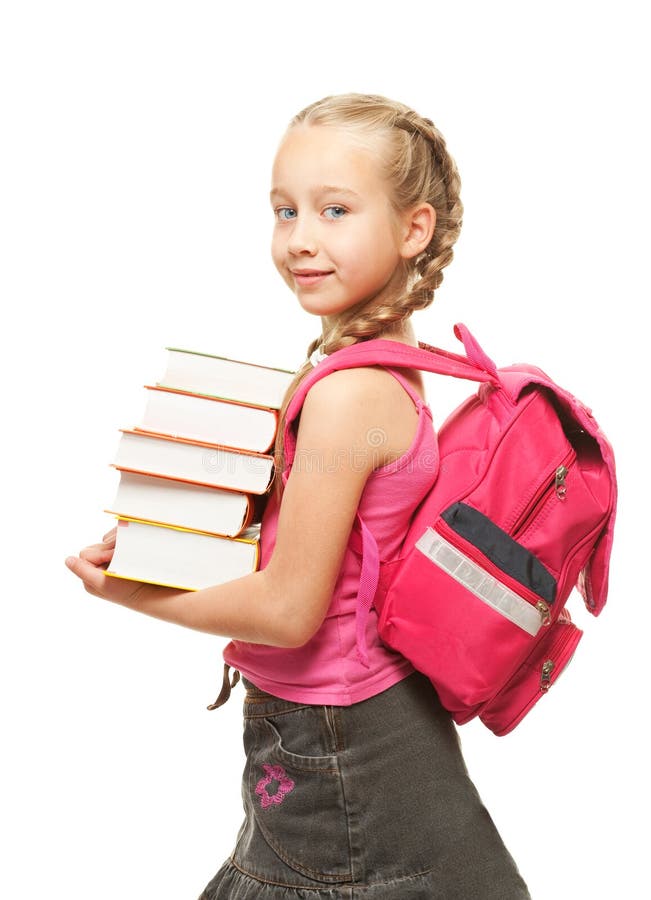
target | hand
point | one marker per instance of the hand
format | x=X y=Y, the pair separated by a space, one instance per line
x=89 y=566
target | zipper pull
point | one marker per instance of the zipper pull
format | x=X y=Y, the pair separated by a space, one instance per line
x=546 y=675
x=543 y=609
x=559 y=482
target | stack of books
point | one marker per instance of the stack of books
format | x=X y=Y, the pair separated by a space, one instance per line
x=195 y=473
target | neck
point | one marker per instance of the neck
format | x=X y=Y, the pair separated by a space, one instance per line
x=404 y=333
x=398 y=331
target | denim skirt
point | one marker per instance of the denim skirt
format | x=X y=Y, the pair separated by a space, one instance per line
x=367 y=801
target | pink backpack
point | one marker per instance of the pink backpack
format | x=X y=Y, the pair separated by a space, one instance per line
x=521 y=510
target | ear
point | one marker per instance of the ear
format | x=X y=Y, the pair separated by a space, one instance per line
x=418 y=227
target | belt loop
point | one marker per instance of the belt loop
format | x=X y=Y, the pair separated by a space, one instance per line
x=225 y=692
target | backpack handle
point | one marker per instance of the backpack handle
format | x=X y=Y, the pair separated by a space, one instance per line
x=473 y=351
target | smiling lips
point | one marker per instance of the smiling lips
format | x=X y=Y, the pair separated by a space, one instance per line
x=310 y=272
x=309 y=276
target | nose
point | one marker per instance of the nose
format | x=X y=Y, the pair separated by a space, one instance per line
x=302 y=240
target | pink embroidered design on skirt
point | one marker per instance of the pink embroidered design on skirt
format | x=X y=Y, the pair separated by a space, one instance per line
x=285 y=785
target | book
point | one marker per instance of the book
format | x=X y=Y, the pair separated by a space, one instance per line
x=209 y=419
x=194 y=461
x=164 y=501
x=195 y=474
x=229 y=379
x=179 y=558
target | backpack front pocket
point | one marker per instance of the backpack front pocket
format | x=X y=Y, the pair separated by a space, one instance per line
x=466 y=616
x=533 y=678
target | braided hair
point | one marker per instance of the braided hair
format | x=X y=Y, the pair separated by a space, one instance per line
x=414 y=160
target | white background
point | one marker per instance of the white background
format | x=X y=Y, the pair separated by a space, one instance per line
x=137 y=139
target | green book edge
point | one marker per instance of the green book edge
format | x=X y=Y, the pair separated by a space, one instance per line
x=230 y=359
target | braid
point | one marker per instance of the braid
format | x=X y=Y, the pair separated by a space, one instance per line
x=419 y=168
x=279 y=446
x=446 y=200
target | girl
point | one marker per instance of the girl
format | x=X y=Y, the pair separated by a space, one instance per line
x=354 y=784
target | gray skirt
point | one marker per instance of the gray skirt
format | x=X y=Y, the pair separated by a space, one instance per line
x=365 y=801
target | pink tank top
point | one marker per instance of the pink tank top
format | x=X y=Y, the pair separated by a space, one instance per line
x=326 y=670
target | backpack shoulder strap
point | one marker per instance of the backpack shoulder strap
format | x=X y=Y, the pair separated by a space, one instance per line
x=475 y=366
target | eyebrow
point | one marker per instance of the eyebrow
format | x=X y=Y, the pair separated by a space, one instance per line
x=322 y=189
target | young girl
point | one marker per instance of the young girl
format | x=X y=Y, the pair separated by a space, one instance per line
x=354 y=784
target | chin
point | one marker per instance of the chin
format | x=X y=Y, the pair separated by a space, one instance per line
x=325 y=310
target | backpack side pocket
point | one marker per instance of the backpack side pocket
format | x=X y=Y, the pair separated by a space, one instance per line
x=533 y=678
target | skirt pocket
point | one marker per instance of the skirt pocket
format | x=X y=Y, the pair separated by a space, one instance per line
x=296 y=792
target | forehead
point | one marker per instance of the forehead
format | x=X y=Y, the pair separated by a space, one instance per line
x=317 y=155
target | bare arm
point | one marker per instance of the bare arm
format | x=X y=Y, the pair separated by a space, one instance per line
x=285 y=603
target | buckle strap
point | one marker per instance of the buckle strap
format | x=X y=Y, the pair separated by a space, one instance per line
x=227 y=684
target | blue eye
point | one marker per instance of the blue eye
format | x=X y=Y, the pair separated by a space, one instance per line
x=338 y=210
x=285 y=209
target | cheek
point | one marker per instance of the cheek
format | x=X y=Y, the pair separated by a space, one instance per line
x=279 y=257
x=277 y=253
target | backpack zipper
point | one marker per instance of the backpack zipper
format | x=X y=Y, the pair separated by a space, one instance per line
x=555 y=484
x=545 y=615
x=555 y=654
x=546 y=675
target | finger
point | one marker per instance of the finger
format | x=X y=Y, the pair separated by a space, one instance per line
x=109 y=537
x=97 y=554
x=92 y=577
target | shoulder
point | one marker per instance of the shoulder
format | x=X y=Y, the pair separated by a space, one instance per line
x=371 y=382
x=338 y=412
x=349 y=389
x=365 y=408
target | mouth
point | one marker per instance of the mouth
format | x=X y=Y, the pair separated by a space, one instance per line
x=309 y=276
x=311 y=271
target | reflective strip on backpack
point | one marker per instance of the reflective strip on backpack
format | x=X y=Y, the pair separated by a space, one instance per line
x=479 y=582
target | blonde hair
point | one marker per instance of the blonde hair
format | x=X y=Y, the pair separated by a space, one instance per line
x=415 y=163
